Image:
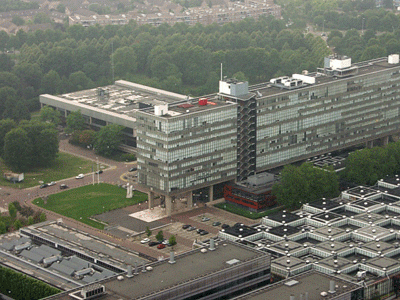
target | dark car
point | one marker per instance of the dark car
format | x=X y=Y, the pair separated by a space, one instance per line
x=99 y=171
x=63 y=186
x=186 y=226
x=224 y=226
x=161 y=246
x=199 y=230
x=203 y=232
x=132 y=169
x=151 y=244
x=44 y=185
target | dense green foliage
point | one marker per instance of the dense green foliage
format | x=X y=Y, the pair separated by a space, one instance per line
x=304 y=184
x=21 y=287
x=108 y=139
x=367 y=166
x=30 y=145
x=8 y=5
x=83 y=203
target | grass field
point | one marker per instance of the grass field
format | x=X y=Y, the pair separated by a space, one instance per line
x=65 y=166
x=84 y=202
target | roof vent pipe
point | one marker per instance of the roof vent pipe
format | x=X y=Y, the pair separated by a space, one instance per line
x=136 y=268
x=143 y=267
x=332 y=287
x=171 y=257
x=129 y=272
x=212 y=244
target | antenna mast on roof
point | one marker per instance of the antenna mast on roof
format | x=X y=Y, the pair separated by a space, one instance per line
x=112 y=61
x=221 y=71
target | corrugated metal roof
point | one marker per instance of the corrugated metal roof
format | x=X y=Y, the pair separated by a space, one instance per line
x=32 y=256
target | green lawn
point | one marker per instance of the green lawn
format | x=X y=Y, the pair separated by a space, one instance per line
x=65 y=166
x=84 y=202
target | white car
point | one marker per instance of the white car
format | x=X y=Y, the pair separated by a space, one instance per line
x=52 y=183
x=145 y=241
x=80 y=176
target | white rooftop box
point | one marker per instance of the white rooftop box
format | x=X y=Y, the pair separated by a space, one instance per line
x=160 y=110
x=393 y=59
x=233 y=87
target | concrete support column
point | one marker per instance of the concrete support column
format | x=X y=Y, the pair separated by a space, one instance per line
x=369 y=144
x=90 y=120
x=190 y=200
x=385 y=140
x=211 y=194
x=168 y=205
x=151 y=199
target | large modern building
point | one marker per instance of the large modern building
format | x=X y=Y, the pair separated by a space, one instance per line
x=185 y=144
x=220 y=271
x=355 y=238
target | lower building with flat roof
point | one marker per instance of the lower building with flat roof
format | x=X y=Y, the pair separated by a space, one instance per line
x=311 y=285
x=220 y=271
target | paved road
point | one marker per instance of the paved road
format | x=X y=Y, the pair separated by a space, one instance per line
x=114 y=174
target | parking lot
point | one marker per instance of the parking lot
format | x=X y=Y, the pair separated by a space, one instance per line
x=186 y=237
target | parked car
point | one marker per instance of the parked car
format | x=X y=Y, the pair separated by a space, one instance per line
x=151 y=244
x=166 y=243
x=132 y=169
x=216 y=223
x=52 y=183
x=191 y=228
x=80 y=176
x=199 y=230
x=186 y=226
x=63 y=186
x=161 y=246
x=99 y=171
x=225 y=226
x=44 y=185
x=205 y=219
x=203 y=232
x=145 y=241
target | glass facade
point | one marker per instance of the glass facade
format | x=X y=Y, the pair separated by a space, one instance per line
x=187 y=151
x=318 y=118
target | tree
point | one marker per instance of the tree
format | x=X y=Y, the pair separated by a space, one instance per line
x=160 y=236
x=17 y=150
x=51 y=83
x=12 y=210
x=125 y=61
x=18 y=20
x=148 y=231
x=5 y=126
x=48 y=114
x=46 y=151
x=305 y=184
x=75 y=121
x=172 y=240
x=108 y=139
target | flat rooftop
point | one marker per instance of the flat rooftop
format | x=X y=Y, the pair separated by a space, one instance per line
x=364 y=68
x=312 y=282
x=123 y=98
x=85 y=243
x=190 y=106
x=188 y=267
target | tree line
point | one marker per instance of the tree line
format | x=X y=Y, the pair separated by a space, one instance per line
x=21 y=287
